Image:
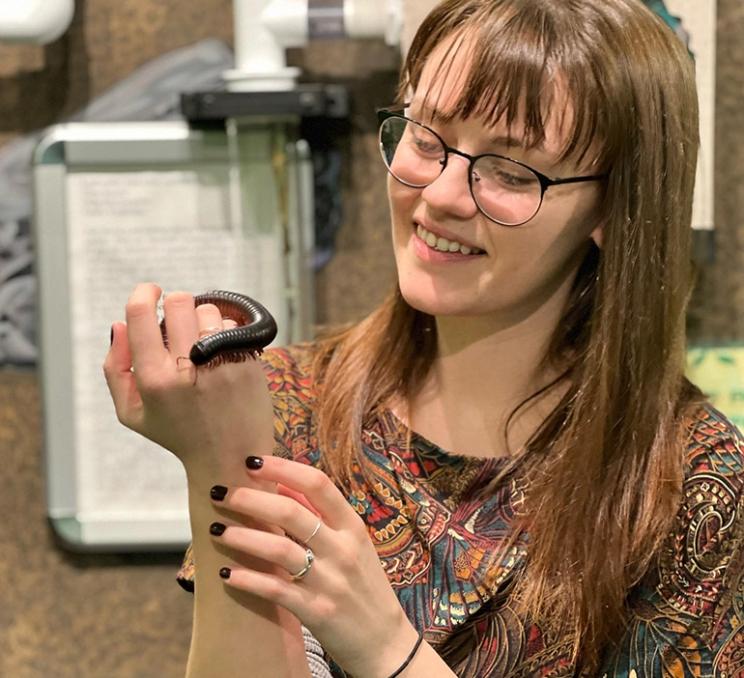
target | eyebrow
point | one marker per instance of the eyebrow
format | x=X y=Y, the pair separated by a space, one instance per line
x=517 y=142
x=508 y=141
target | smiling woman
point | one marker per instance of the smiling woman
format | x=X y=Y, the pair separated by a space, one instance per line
x=501 y=471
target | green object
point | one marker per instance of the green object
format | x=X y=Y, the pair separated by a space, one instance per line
x=675 y=23
x=719 y=372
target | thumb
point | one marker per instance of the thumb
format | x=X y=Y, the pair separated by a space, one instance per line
x=120 y=379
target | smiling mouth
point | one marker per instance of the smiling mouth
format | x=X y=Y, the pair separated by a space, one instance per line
x=440 y=244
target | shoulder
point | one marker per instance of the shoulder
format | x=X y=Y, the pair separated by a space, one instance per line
x=700 y=566
x=714 y=451
x=292 y=361
x=288 y=371
x=688 y=613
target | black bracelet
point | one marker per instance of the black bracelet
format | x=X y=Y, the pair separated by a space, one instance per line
x=409 y=657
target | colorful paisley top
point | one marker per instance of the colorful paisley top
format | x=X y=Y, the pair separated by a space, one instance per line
x=436 y=542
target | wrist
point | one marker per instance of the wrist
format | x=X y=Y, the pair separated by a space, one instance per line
x=205 y=509
x=410 y=657
x=225 y=470
x=393 y=656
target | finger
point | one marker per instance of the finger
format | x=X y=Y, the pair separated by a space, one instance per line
x=228 y=323
x=119 y=378
x=209 y=320
x=297 y=496
x=180 y=323
x=275 y=509
x=267 y=546
x=143 y=332
x=317 y=488
x=272 y=587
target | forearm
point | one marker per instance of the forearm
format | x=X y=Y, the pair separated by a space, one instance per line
x=235 y=634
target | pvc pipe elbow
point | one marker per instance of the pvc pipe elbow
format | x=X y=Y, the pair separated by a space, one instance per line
x=38 y=21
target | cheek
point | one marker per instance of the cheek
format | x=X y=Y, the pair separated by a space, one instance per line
x=402 y=201
x=402 y=198
x=543 y=251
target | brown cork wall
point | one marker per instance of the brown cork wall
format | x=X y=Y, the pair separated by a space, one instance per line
x=124 y=616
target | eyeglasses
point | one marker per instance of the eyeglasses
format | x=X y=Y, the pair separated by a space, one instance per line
x=506 y=191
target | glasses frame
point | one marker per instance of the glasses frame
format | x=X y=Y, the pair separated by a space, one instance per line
x=546 y=182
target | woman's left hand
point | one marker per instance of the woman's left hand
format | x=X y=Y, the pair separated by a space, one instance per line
x=345 y=599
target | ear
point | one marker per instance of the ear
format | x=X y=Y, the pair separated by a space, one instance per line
x=596 y=236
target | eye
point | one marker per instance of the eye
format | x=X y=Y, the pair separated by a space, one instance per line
x=502 y=173
x=512 y=179
x=427 y=144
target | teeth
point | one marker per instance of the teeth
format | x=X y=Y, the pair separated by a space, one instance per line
x=442 y=244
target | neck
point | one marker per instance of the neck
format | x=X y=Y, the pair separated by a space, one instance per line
x=484 y=369
x=491 y=365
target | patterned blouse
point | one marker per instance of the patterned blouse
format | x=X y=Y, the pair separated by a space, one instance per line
x=436 y=542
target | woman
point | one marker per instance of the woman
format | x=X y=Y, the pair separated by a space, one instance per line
x=505 y=455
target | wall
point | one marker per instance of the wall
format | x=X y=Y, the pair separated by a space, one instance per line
x=716 y=312
x=123 y=616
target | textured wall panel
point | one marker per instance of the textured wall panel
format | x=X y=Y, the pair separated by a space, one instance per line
x=717 y=308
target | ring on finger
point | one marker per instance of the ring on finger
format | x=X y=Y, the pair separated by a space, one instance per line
x=315 y=531
x=309 y=558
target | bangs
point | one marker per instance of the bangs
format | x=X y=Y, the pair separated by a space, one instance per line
x=523 y=67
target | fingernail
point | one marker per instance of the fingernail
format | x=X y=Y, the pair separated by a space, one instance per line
x=216 y=529
x=254 y=463
x=218 y=492
x=225 y=572
x=112 y=335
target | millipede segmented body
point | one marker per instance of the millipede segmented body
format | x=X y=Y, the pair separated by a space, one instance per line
x=256 y=329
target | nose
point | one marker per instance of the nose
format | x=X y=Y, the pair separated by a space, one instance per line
x=450 y=191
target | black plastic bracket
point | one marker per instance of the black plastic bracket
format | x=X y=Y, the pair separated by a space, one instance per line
x=305 y=101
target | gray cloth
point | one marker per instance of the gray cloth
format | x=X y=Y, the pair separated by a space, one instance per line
x=152 y=92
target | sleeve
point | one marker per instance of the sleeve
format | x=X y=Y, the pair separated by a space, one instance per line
x=293 y=396
x=319 y=667
x=690 y=621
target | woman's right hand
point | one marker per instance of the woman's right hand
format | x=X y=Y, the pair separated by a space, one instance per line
x=211 y=419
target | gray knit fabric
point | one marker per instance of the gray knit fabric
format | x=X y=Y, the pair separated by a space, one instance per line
x=318 y=666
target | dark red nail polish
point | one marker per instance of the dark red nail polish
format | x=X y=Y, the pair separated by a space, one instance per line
x=217 y=529
x=225 y=572
x=254 y=463
x=218 y=492
x=112 y=335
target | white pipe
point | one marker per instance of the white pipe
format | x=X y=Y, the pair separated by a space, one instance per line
x=39 y=21
x=287 y=21
x=367 y=19
x=264 y=28
x=260 y=62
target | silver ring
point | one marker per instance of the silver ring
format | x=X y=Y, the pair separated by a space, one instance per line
x=315 y=531
x=309 y=558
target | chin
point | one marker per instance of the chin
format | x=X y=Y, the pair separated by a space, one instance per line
x=433 y=302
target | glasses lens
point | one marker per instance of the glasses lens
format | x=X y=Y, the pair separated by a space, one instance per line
x=506 y=191
x=413 y=155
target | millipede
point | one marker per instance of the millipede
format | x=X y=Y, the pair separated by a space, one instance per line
x=256 y=329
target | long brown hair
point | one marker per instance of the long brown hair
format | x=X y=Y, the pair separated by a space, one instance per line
x=604 y=471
